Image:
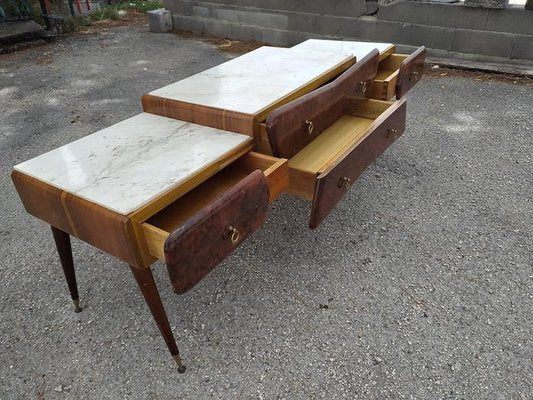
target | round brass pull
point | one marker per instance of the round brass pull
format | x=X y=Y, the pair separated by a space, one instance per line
x=415 y=75
x=232 y=234
x=345 y=182
x=309 y=125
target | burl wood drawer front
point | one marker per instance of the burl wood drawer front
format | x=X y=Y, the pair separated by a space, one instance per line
x=336 y=180
x=296 y=124
x=196 y=231
x=198 y=246
x=397 y=74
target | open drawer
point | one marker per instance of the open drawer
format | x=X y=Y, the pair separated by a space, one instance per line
x=197 y=231
x=325 y=169
x=397 y=74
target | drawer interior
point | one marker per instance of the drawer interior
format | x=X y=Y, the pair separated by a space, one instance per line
x=157 y=228
x=351 y=128
x=389 y=67
x=325 y=150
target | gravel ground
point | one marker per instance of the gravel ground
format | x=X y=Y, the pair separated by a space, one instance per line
x=418 y=285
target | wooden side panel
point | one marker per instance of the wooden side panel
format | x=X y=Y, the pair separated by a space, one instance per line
x=276 y=171
x=384 y=89
x=198 y=114
x=296 y=124
x=202 y=242
x=104 y=229
x=301 y=183
x=411 y=72
x=334 y=182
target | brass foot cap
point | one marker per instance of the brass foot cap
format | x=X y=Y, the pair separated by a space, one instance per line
x=181 y=367
x=77 y=308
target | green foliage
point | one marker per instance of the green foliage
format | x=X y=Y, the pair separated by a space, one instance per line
x=73 y=24
x=139 y=5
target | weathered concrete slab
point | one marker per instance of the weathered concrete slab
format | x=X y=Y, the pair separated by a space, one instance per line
x=160 y=20
x=13 y=32
x=429 y=36
x=498 y=4
x=523 y=48
x=511 y=20
x=485 y=43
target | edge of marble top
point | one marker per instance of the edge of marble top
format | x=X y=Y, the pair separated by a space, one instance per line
x=309 y=45
x=347 y=57
x=150 y=199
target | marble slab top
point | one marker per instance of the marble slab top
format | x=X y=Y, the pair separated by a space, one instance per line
x=357 y=49
x=126 y=165
x=253 y=82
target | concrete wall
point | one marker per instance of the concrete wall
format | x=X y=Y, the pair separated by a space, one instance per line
x=446 y=29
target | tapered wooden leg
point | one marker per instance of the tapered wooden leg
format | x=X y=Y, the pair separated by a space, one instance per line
x=64 y=249
x=146 y=283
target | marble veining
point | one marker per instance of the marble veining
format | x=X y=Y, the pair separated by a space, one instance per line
x=357 y=49
x=254 y=81
x=126 y=165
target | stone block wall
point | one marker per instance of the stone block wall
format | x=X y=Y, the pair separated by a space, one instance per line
x=445 y=28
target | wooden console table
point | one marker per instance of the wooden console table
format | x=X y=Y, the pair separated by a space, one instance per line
x=191 y=177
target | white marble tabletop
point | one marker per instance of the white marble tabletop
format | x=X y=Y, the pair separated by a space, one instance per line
x=357 y=49
x=127 y=165
x=254 y=81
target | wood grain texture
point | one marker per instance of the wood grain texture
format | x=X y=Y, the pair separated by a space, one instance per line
x=64 y=249
x=231 y=120
x=331 y=183
x=157 y=228
x=198 y=114
x=296 y=124
x=104 y=229
x=145 y=281
x=411 y=71
x=301 y=183
x=199 y=245
x=384 y=85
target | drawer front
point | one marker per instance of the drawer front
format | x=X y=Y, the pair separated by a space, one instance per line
x=293 y=126
x=335 y=181
x=411 y=71
x=201 y=243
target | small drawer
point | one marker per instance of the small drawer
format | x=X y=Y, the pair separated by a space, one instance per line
x=296 y=124
x=197 y=231
x=325 y=169
x=397 y=74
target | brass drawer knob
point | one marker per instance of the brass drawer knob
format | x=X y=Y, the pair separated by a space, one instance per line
x=392 y=133
x=232 y=234
x=345 y=182
x=309 y=126
x=415 y=75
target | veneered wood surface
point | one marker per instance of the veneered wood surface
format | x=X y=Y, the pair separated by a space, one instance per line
x=287 y=127
x=202 y=242
x=102 y=228
x=202 y=115
x=411 y=71
x=328 y=191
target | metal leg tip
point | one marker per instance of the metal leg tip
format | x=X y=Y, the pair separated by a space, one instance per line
x=181 y=367
x=77 y=307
